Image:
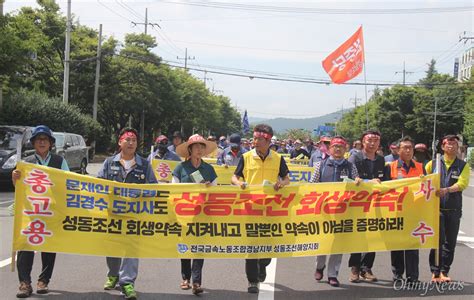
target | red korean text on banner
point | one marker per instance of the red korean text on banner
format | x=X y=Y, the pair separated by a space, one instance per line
x=347 y=61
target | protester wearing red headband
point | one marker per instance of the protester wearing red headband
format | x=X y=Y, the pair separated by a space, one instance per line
x=258 y=166
x=334 y=169
x=371 y=167
x=161 y=151
x=454 y=179
x=421 y=154
x=125 y=166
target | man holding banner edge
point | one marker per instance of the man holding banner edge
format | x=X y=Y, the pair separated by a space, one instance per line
x=42 y=140
x=256 y=167
x=129 y=167
x=371 y=167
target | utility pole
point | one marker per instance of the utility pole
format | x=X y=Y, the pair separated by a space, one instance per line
x=66 y=54
x=186 y=57
x=434 y=128
x=96 y=87
x=142 y=119
x=205 y=79
x=97 y=75
x=404 y=72
x=355 y=100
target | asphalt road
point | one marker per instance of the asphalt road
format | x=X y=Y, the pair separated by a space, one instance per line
x=82 y=277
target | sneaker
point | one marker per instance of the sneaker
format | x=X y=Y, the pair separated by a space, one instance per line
x=444 y=277
x=435 y=278
x=25 y=290
x=318 y=275
x=185 y=284
x=197 y=289
x=354 y=275
x=111 y=282
x=333 y=281
x=129 y=291
x=262 y=275
x=253 y=288
x=368 y=276
x=42 y=287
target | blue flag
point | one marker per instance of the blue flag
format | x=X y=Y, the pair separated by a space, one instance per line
x=245 y=123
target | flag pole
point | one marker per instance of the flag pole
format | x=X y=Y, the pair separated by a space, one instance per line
x=366 y=99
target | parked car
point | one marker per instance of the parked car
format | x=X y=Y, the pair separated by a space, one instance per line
x=13 y=138
x=74 y=149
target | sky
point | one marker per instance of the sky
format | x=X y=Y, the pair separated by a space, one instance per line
x=292 y=41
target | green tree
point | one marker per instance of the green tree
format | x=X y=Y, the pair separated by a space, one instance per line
x=468 y=130
x=32 y=108
x=294 y=134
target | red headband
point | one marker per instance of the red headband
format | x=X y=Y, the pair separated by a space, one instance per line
x=257 y=134
x=445 y=141
x=127 y=134
x=338 y=141
x=371 y=136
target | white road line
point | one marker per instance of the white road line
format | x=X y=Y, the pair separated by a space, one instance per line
x=465 y=239
x=461 y=232
x=267 y=288
x=5 y=262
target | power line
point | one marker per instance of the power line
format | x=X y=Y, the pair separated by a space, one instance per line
x=129 y=10
x=329 y=11
x=300 y=50
x=167 y=40
x=404 y=72
x=255 y=76
x=113 y=11
x=446 y=52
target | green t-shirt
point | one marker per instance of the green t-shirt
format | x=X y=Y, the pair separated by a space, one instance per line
x=185 y=169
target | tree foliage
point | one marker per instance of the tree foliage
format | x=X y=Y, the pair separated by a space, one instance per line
x=401 y=110
x=32 y=108
x=132 y=79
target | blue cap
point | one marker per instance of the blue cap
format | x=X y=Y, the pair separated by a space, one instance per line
x=42 y=129
x=235 y=139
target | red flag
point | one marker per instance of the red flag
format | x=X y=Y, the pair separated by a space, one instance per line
x=348 y=60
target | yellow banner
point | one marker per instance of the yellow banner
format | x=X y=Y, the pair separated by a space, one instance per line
x=164 y=168
x=59 y=211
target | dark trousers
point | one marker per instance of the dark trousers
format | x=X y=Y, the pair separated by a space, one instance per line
x=449 y=221
x=362 y=261
x=254 y=266
x=192 y=268
x=405 y=260
x=24 y=265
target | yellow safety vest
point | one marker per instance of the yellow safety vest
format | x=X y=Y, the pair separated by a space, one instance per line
x=256 y=170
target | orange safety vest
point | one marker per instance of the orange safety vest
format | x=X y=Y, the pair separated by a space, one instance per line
x=396 y=165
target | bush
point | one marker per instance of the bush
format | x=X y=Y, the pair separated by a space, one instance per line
x=31 y=108
x=470 y=159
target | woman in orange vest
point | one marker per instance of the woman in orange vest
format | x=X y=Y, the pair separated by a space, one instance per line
x=405 y=167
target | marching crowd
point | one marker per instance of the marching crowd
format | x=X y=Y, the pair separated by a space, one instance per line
x=259 y=160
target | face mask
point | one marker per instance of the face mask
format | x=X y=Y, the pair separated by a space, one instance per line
x=162 y=148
